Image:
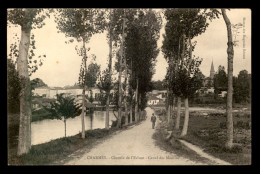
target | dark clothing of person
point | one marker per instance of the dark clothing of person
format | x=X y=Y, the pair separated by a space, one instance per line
x=153 y=120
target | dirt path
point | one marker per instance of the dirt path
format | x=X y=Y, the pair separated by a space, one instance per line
x=134 y=146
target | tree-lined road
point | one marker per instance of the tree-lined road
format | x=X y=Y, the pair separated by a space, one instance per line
x=137 y=144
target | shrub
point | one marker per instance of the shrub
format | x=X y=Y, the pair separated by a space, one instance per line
x=97 y=133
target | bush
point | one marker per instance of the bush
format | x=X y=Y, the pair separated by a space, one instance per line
x=97 y=133
x=13 y=88
x=39 y=112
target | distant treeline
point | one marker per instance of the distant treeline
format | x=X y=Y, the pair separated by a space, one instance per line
x=158 y=85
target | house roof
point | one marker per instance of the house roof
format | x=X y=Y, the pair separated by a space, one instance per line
x=152 y=97
x=56 y=88
x=160 y=102
x=43 y=87
x=73 y=87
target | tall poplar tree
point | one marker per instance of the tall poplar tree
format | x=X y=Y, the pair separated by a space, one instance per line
x=81 y=24
x=27 y=19
x=230 y=53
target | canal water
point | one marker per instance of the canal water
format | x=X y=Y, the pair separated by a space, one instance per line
x=46 y=130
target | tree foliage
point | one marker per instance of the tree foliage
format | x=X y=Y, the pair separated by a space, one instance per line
x=34 y=60
x=63 y=108
x=186 y=85
x=158 y=85
x=80 y=23
x=92 y=74
x=182 y=25
x=242 y=87
x=104 y=82
x=13 y=87
x=141 y=47
x=220 y=80
x=31 y=19
x=37 y=82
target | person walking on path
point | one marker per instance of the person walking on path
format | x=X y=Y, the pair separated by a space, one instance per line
x=153 y=120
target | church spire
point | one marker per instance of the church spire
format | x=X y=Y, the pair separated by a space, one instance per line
x=212 y=71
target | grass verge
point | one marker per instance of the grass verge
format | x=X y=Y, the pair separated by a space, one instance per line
x=174 y=146
x=56 y=150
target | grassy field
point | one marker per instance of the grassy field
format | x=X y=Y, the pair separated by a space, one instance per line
x=209 y=133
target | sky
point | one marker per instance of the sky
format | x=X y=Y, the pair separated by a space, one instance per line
x=62 y=64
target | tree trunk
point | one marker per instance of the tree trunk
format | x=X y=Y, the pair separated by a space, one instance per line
x=65 y=126
x=178 y=112
x=183 y=49
x=230 y=52
x=171 y=111
x=168 y=113
x=186 y=100
x=190 y=51
x=120 y=95
x=107 y=111
x=186 y=118
x=131 y=113
x=139 y=110
x=168 y=108
x=119 y=78
x=83 y=114
x=126 y=95
x=173 y=104
x=136 y=101
x=83 y=92
x=131 y=91
x=178 y=115
x=24 y=141
x=109 y=68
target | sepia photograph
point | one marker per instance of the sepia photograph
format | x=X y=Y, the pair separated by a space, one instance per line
x=129 y=86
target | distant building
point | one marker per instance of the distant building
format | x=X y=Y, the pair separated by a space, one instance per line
x=155 y=92
x=43 y=91
x=162 y=96
x=212 y=71
x=153 y=100
x=211 y=90
x=209 y=81
x=160 y=93
x=222 y=94
x=74 y=91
